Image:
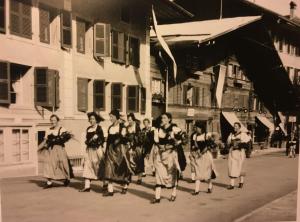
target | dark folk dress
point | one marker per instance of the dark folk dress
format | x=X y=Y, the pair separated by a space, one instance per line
x=117 y=166
x=134 y=145
x=57 y=165
x=94 y=158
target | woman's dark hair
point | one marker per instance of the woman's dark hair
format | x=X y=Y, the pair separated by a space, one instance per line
x=97 y=117
x=146 y=120
x=239 y=124
x=169 y=115
x=115 y=113
x=201 y=125
x=55 y=116
x=132 y=116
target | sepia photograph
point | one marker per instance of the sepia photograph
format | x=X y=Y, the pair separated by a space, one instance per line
x=149 y=110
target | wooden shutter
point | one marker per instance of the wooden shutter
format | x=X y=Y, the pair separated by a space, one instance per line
x=143 y=100
x=196 y=96
x=2 y=16
x=4 y=83
x=51 y=74
x=118 y=47
x=101 y=40
x=57 y=99
x=82 y=94
x=134 y=51
x=126 y=49
x=44 y=25
x=132 y=98
x=99 y=95
x=116 y=96
x=41 y=96
x=66 y=29
x=20 y=18
x=81 y=36
x=184 y=94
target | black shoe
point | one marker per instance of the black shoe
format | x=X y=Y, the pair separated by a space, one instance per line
x=230 y=187
x=66 y=182
x=195 y=193
x=172 y=199
x=85 y=190
x=139 y=182
x=154 y=201
x=48 y=186
x=143 y=175
x=108 y=194
x=209 y=190
x=124 y=191
x=241 y=185
x=153 y=174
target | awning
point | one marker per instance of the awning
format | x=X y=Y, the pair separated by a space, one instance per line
x=201 y=31
x=266 y=122
x=232 y=118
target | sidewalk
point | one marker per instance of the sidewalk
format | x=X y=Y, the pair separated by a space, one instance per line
x=282 y=209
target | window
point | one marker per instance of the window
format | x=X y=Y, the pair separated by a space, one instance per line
x=44 y=25
x=46 y=87
x=118 y=47
x=99 y=95
x=230 y=70
x=2 y=16
x=66 y=29
x=196 y=95
x=20 y=18
x=20 y=145
x=132 y=98
x=280 y=45
x=157 y=86
x=101 y=40
x=125 y=12
x=116 y=96
x=2 y=155
x=81 y=36
x=143 y=100
x=187 y=95
x=134 y=51
x=4 y=83
x=82 y=94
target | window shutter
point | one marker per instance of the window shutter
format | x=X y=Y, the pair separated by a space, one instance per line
x=57 y=99
x=66 y=29
x=114 y=46
x=44 y=25
x=116 y=96
x=82 y=94
x=41 y=96
x=81 y=36
x=134 y=51
x=99 y=95
x=51 y=87
x=143 y=100
x=126 y=49
x=132 y=98
x=4 y=83
x=20 y=18
x=101 y=40
x=196 y=96
x=2 y=16
x=184 y=94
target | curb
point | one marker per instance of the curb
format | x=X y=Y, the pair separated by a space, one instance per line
x=246 y=216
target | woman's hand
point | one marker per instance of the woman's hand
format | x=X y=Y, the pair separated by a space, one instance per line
x=95 y=137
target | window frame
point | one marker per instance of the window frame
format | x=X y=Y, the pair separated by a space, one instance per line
x=67 y=28
x=79 y=107
x=132 y=59
x=99 y=94
x=114 y=96
x=78 y=21
x=8 y=82
x=136 y=97
x=143 y=100
x=48 y=25
x=2 y=8
x=106 y=40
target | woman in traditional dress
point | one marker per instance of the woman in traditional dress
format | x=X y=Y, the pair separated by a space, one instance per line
x=94 y=156
x=238 y=142
x=147 y=141
x=117 y=166
x=201 y=157
x=134 y=145
x=165 y=158
x=57 y=165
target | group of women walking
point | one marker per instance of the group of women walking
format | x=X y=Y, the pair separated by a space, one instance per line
x=127 y=148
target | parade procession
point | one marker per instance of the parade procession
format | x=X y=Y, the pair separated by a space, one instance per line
x=149 y=110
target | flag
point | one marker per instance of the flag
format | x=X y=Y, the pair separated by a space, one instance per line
x=220 y=85
x=163 y=44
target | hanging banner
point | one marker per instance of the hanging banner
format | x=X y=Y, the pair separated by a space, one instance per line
x=220 y=85
x=163 y=43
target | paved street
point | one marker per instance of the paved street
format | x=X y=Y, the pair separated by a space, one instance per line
x=269 y=177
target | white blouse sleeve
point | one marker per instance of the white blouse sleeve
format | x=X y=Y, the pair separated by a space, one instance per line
x=245 y=138
x=156 y=137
